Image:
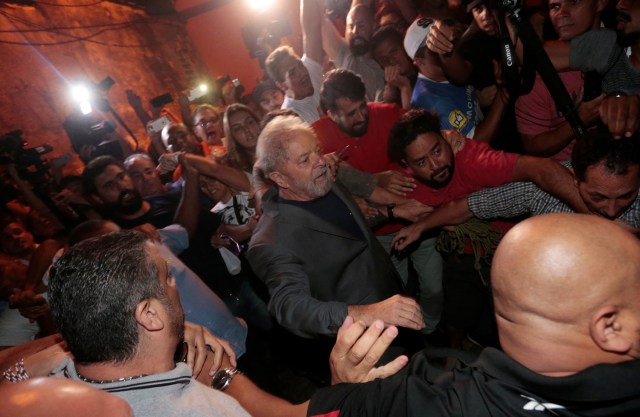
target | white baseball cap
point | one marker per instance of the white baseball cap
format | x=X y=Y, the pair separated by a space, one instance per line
x=416 y=35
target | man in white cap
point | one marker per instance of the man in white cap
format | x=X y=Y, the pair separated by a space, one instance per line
x=457 y=105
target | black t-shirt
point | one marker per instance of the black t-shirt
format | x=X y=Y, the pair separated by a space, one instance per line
x=161 y=212
x=490 y=385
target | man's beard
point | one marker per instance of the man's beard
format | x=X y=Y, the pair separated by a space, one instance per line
x=628 y=39
x=440 y=183
x=176 y=317
x=358 y=130
x=359 y=45
x=314 y=189
x=127 y=207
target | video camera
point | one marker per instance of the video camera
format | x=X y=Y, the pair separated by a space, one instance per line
x=93 y=133
x=28 y=161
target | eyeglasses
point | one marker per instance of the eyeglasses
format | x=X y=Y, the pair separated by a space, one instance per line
x=206 y=122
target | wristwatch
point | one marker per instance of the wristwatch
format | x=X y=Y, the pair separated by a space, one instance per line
x=222 y=378
x=390 y=211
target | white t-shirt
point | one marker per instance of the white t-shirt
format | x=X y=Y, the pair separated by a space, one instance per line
x=309 y=107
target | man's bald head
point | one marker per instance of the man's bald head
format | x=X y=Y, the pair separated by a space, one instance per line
x=359 y=29
x=566 y=288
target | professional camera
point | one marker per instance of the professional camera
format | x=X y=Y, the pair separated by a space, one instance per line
x=13 y=149
x=87 y=131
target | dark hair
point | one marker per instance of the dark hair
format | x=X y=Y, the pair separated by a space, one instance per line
x=275 y=113
x=237 y=156
x=409 y=126
x=598 y=146
x=273 y=63
x=340 y=83
x=262 y=87
x=87 y=229
x=386 y=33
x=94 y=168
x=94 y=290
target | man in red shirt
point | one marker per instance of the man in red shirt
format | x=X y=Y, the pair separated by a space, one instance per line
x=350 y=120
x=417 y=143
x=365 y=128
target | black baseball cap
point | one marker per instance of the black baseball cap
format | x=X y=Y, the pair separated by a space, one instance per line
x=473 y=3
x=261 y=88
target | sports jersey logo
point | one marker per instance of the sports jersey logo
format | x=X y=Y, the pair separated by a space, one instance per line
x=535 y=405
x=457 y=119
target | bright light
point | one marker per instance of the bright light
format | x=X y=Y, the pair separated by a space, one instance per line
x=85 y=107
x=203 y=88
x=260 y=5
x=80 y=93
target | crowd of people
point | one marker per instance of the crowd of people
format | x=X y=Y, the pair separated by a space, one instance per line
x=367 y=204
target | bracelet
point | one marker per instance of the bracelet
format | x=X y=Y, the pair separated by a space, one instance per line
x=18 y=373
x=222 y=378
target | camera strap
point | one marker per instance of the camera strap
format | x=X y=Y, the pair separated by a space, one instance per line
x=517 y=80
x=543 y=65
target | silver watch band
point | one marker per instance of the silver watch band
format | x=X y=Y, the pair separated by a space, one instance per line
x=222 y=378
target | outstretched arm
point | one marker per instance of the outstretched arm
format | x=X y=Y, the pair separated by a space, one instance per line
x=232 y=177
x=290 y=298
x=357 y=350
x=311 y=22
x=332 y=41
x=188 y=212
x=450 y=214
x=551 y=177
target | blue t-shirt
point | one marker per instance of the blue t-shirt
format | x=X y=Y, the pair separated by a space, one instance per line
x=457 y=105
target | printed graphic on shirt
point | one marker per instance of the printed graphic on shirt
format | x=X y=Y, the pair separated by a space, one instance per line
x=458 y=120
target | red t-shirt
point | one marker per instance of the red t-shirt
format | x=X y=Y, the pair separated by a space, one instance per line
x=536 y=112
x=367 y=153
x=477 y=166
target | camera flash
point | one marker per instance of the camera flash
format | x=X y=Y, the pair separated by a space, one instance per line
x=80 y=93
